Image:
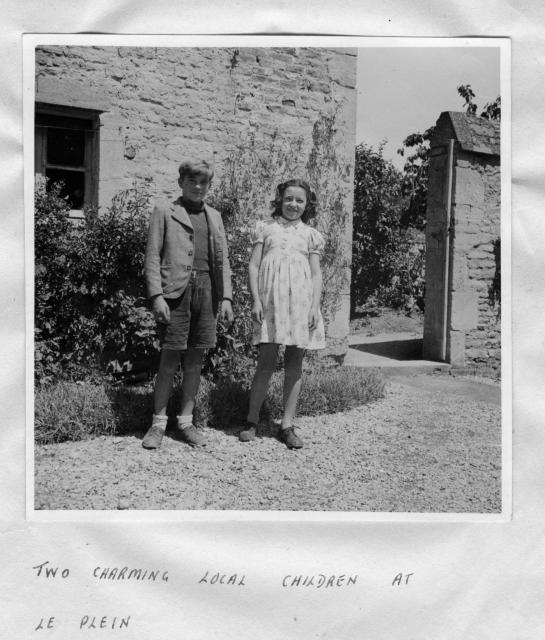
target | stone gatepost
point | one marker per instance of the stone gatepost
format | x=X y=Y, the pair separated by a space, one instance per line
x=461 y=321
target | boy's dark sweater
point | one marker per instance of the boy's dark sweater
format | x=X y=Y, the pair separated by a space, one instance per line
x=200 y=234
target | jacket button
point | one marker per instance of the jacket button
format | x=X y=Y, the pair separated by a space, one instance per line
x=191 y=238
x=190 y=253
x=188 y=268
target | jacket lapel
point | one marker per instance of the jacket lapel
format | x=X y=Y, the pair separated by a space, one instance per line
x=181 y=215
x=215 y=247
x=212 y=226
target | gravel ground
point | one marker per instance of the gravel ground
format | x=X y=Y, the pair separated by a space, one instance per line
x=417 y=450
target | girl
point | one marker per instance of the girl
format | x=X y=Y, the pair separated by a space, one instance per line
x=286 y=285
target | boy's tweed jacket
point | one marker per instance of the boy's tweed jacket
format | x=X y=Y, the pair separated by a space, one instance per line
x=170 y=250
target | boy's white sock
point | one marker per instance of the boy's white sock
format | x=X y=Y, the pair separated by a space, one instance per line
x=159 y=421
x=184 y=421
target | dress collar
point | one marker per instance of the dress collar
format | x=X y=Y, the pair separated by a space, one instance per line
x=288 y=223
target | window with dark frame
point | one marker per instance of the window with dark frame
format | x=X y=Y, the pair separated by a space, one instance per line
x=65 y=151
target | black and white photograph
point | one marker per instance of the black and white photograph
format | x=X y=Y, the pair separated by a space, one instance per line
x=269 y=278
x=272 y=320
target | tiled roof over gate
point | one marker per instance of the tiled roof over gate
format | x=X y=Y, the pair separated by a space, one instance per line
x=472 y=132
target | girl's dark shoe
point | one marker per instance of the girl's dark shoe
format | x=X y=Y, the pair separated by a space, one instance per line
x=290 y=438
x=248 y=433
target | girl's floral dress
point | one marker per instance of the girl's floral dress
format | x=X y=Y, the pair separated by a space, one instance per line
x=285 y=283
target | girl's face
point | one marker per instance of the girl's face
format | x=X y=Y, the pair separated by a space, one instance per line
x=294 y=203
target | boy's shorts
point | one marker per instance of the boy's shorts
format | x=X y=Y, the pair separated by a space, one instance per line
x=192 y=319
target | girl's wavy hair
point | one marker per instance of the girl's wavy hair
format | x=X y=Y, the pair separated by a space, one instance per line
x=310 y=209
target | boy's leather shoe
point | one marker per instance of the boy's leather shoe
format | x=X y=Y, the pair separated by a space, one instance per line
x=248 y=433
x=153 y=437
x=192 y=435
x=290 y=439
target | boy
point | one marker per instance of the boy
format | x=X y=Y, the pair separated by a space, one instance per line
x=188 y=278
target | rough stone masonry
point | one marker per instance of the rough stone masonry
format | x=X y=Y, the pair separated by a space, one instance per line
x=462 y=318
x=154 y=105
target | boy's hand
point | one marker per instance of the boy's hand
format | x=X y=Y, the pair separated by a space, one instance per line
x=161 y=310
x=226 y=312
x=313 y=318
x=257 y=311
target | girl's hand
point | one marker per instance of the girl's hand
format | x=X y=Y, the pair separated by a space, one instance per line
x=257 y=311
x=313 y=316
x=161 y=310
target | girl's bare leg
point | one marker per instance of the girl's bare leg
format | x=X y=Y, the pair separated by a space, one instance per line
x=266 y=364
x=292 y=383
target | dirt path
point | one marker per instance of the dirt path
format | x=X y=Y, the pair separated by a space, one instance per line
x=433 y=444
x=470 y=388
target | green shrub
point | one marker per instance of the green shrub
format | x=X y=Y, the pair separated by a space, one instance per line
x=330 y=390
x=324 y=390
x=90 y=309
x=78 y=411
x=52 y=233
x=223 y=404
x=91 y=315
x=405 y=288
x=387 y=256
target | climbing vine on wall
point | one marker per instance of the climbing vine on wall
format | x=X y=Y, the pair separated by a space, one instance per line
x=243 y=194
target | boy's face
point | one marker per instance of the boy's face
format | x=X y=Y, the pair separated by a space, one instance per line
x=195 y=187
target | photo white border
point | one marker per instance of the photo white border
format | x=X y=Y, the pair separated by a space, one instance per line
x=30 y=41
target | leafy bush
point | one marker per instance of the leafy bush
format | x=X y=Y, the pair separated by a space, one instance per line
x=324 y=390
x=52 y=232
x=77 y=411
x=71 y=411
x=330 y=390
x=387 y=257
x=91 y=314
x=416 y=148
x=90 y=309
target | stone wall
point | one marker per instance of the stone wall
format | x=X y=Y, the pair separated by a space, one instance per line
x=463 y=243
x=158 y=105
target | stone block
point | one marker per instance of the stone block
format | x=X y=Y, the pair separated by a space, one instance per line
x=464 y=310
x=459 y=273
x=456 y=348
x=469 y=187
x=342 y=70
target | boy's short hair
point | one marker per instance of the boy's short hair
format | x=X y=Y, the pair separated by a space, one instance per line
x=195 y=168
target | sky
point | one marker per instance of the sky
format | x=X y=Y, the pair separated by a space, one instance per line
x=403 y=90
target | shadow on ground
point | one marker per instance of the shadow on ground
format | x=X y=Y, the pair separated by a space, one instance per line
x=394 y=349
x=225 y=410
